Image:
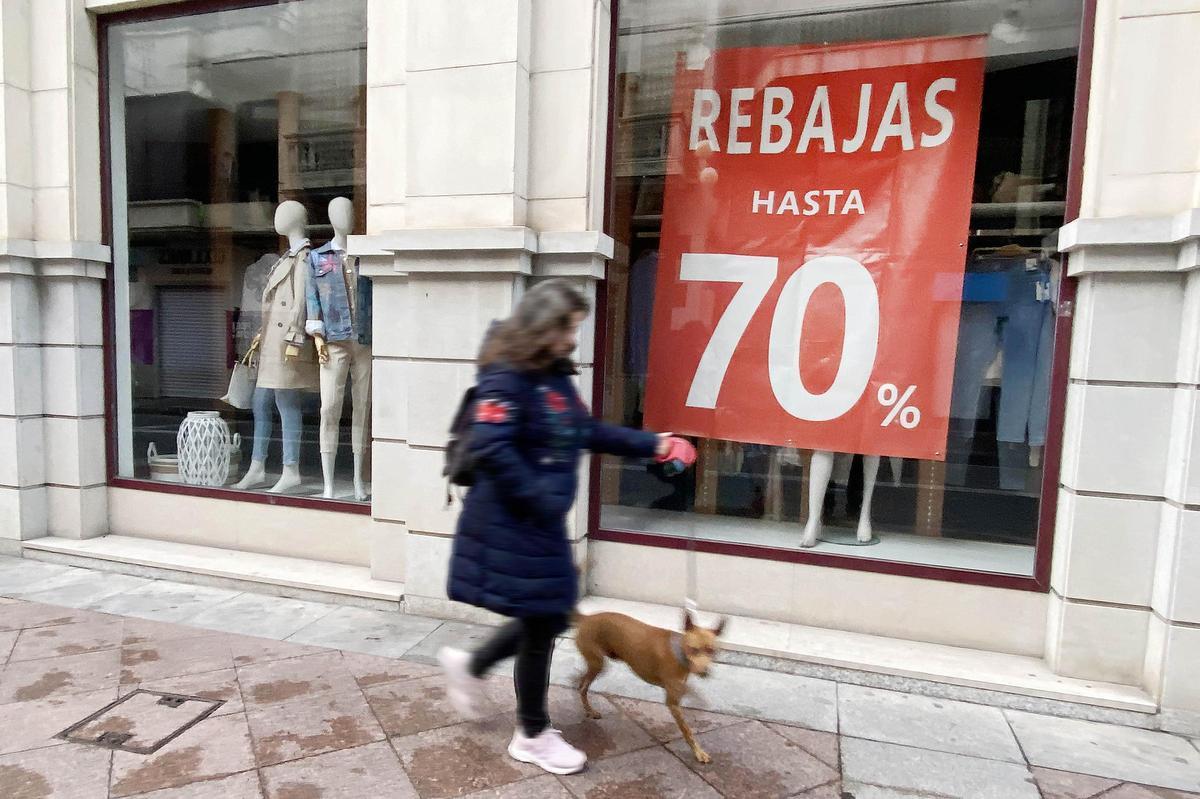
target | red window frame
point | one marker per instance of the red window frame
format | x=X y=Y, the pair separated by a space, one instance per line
x=1039 y=581
x=104 y=22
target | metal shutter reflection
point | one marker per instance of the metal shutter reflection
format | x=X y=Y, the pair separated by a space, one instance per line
x=192 y=332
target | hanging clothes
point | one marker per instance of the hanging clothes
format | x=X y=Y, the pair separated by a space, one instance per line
x=642 y=275
x=1007 y=314
x=1007 y=311
x=1028 y=350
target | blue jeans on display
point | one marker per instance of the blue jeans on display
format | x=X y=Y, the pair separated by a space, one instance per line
x=978 y=344
x=1028 y=343
x=288 y=401
x=1007 y=311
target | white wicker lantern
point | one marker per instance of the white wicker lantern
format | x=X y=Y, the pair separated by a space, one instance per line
x=203 y=446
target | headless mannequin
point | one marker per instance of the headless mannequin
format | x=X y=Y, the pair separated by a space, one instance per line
x=822 y=468
x=291 y=220
x=341 y=216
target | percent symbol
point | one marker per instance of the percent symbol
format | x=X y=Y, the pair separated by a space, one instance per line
x=908 y=415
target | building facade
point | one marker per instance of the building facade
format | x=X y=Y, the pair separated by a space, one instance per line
x=1005 y=495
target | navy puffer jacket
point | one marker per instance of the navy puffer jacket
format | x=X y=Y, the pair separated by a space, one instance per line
x=511 y=554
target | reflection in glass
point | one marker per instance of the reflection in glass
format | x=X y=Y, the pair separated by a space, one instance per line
x=232 y=132
x=979 y=508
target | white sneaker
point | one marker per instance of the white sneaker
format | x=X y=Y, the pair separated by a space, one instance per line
x=547 y=751
x=463 y=689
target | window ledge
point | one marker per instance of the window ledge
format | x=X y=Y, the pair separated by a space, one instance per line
x=1133 y=244
x=248 y=569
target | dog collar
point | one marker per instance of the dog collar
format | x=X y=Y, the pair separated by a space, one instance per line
x=677 y=648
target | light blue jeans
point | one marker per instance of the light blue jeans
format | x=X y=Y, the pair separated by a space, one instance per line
x=1028 y=341
x=1018 y=320
x=287 y=400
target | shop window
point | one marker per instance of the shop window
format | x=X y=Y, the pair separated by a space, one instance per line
x=836 y=272
x=237 y=162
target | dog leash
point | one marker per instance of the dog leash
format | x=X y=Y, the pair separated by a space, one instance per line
x=689 y=599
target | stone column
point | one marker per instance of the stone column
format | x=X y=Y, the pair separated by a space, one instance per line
x=1125 y=604
x=486 y=129
x=581 y=258
x=440 y=289
x=568 y=114
x=466 y=114
x=52 y=480
x=387 y=92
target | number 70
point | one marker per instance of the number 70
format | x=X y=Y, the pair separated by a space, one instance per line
x=757 y=274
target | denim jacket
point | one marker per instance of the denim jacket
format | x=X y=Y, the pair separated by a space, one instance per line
x=330 y=311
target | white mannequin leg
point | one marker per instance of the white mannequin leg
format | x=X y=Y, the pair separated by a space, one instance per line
x=818 y=481
x=897 y=469
x=360 y=491
x=255 y=476
x=264 y=423
x=288 y=481
x=334 y=373
x=360 y=397
x=870 y=475
x=327 y=463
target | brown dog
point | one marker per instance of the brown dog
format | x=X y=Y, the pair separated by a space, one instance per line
x=660 y=657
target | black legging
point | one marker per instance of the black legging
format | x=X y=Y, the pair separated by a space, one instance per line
x=531 y=640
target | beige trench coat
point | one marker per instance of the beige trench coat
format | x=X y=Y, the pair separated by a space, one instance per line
x=284 y=313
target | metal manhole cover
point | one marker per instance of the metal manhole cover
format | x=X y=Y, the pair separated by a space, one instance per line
x=141 y=722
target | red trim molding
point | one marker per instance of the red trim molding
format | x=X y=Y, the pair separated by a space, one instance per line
x=989 y=579
x=106 y=296
x=1063 y=325
x=104 y=22
x=233 y=495
x=183 y=8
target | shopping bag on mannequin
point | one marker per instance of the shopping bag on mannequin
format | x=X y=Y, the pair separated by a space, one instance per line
x=241 y=386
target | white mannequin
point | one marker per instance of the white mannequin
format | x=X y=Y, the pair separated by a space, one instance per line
x=341 y=216
x=818 y=482
x=291 y=221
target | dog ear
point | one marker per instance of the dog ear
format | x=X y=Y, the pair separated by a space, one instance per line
x=688 y=626
x=720 y=628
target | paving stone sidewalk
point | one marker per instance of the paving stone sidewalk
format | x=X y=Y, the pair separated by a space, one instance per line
x=288 y=699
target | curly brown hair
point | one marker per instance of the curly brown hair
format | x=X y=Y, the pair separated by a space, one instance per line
x=526 y=339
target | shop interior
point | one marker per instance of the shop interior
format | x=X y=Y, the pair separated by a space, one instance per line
x=215 y=120
x=979 y=509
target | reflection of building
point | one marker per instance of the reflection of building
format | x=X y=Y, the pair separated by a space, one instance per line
x=482 y=165
x=223 y=117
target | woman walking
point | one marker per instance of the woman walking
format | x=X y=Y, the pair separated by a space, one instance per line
x=511 y=553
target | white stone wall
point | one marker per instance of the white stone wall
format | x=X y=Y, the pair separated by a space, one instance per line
x=467 y=113
x=52 y=266
x=485 y=169
x=568 y=114
x=1125 y=601
x=485 y=141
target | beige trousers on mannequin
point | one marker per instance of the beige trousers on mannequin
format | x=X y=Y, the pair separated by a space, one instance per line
x=353 y=360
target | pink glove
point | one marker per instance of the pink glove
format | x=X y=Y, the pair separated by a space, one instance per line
x=680 y=450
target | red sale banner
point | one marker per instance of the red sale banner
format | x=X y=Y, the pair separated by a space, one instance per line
x=813 y=244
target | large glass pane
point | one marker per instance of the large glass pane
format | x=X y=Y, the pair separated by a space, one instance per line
x=920 y=441
x=235 y=137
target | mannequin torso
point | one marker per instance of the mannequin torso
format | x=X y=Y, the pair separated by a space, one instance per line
x=334 y=309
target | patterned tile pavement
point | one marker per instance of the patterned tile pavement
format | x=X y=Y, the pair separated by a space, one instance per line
x=367 y=717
